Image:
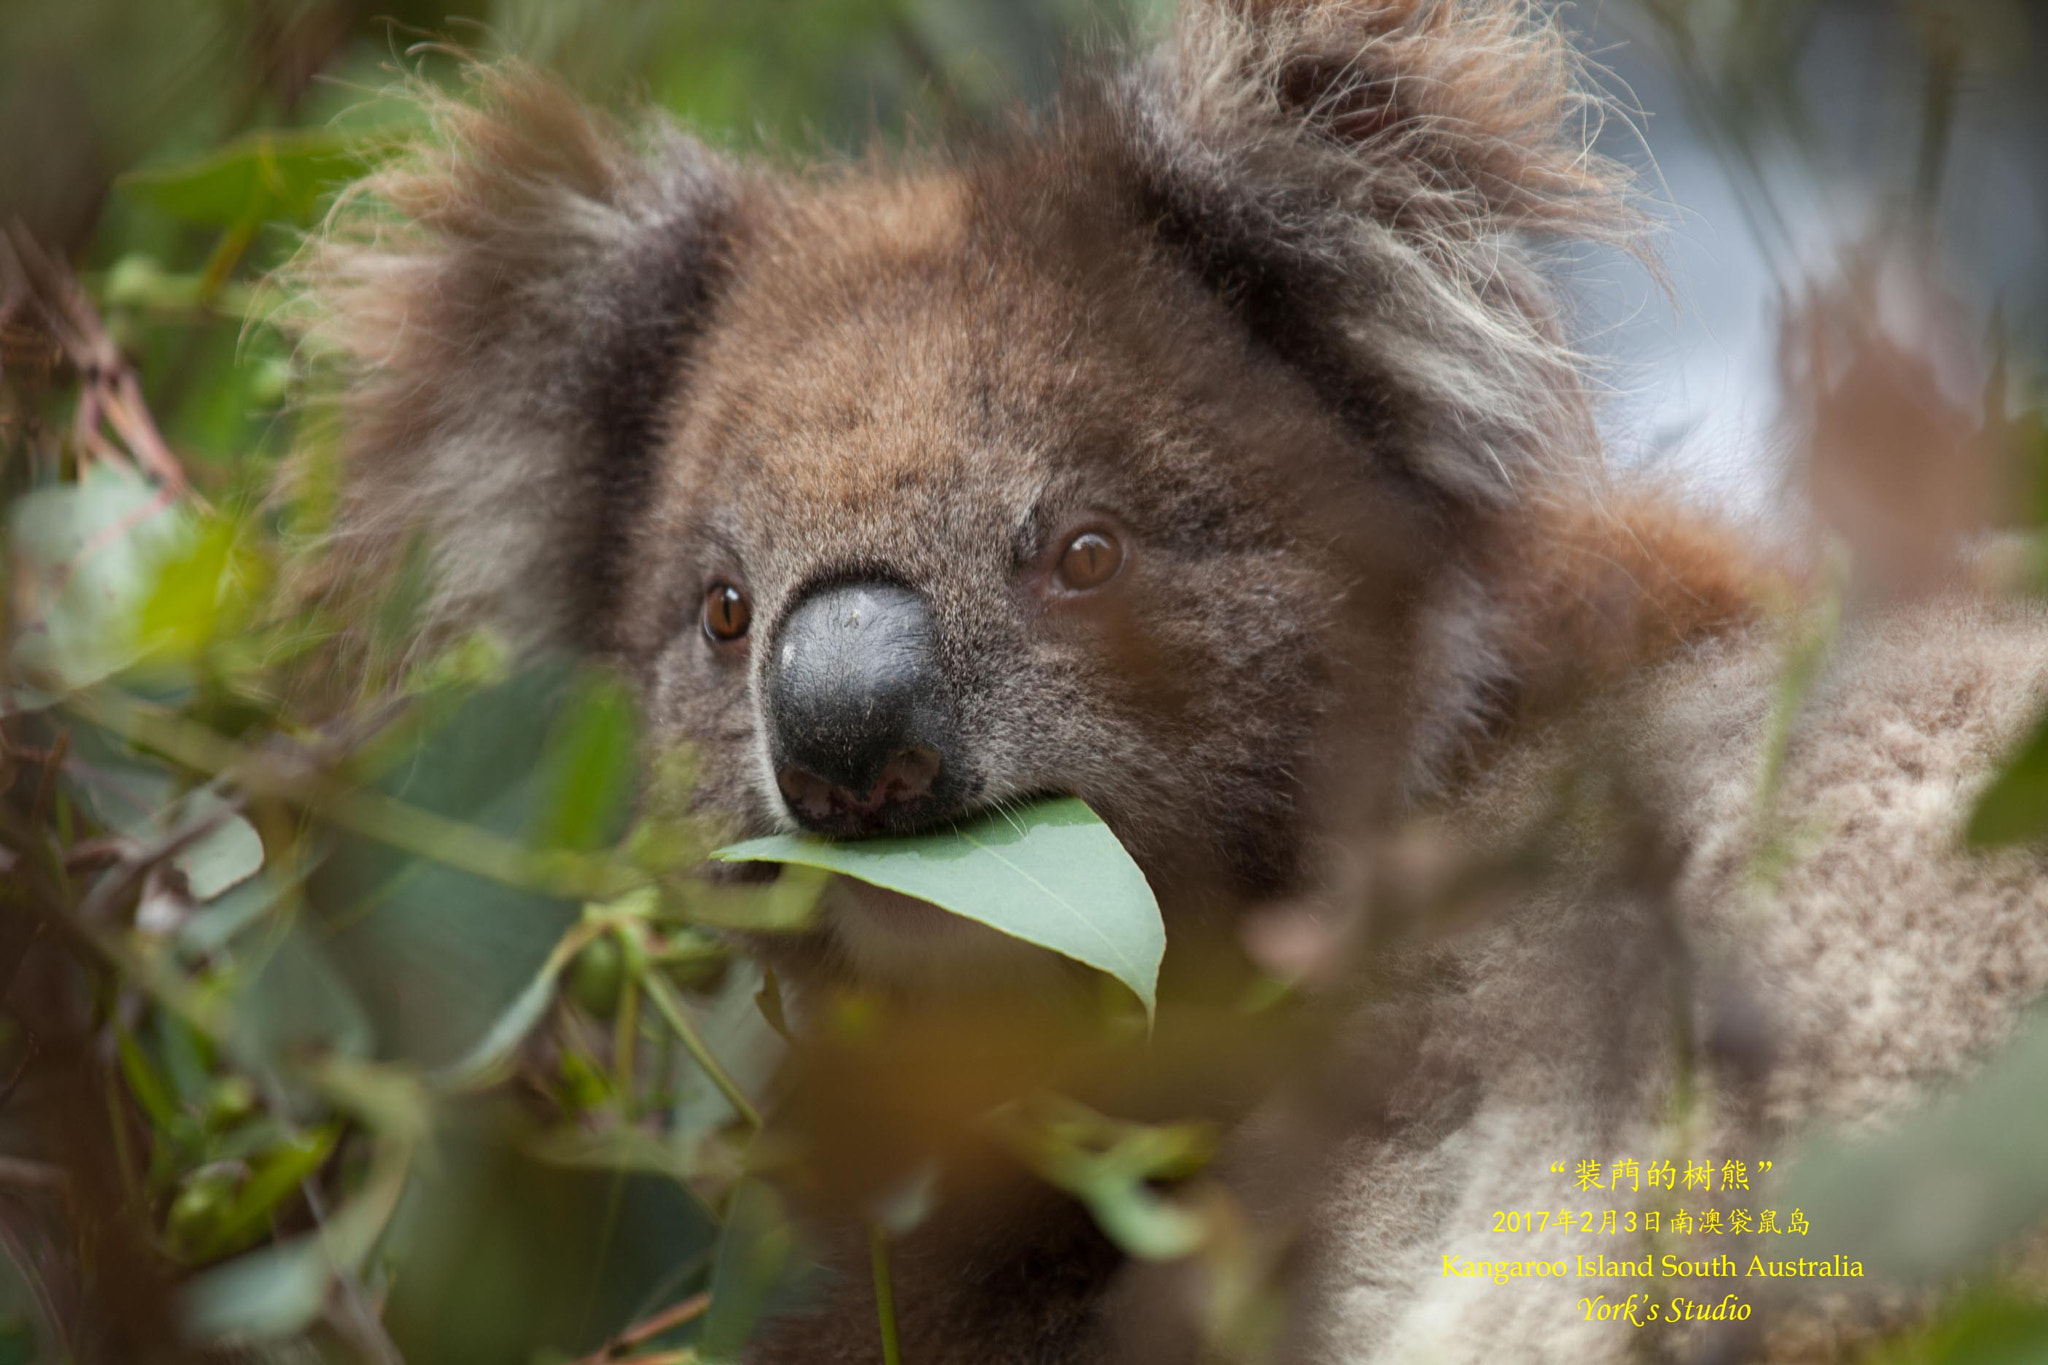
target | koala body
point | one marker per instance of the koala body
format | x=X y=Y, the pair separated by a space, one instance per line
x=1209 y=448
x=1820 y=962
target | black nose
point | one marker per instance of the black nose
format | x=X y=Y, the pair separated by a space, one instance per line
x=860 y=717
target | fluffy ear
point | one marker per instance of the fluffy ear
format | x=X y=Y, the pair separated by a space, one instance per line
x=512 y=299
x=1378 y=182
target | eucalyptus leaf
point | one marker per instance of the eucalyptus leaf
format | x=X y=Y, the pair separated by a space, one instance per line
x=276 y=1177
x=1051 y=874
x=760 y=1272
x=513 y=1258
x=141 y=802
x=210 y=928
x=225 y=856
x=266 y=1295
x=735 y=1032
x=484 y=1061
x=1959 y=1178
x=85 y=560
x=445 y=962
x=298 y=1002
x=585 y=765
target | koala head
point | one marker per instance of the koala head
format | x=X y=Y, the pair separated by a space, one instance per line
x=1114 y=454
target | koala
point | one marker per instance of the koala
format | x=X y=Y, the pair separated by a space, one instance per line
x=1213 y=447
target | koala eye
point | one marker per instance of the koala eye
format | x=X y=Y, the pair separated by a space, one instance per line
x=727 y=613
x=1090 y=560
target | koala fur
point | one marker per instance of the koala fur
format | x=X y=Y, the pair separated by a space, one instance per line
x=1272 y=302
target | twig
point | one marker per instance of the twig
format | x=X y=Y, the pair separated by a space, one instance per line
x=46 y=784
x=28 y=1060
x=359 y=1321
x=674 y=1316
x=671 y=1009
x=130 y=416
x=885 y=1295
x=88 y=854
x=625 y=1036
x=14 y=292
x=111 y=387
x=100 y=901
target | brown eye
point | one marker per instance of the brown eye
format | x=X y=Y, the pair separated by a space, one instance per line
x=726 y=613
x=1090 y=560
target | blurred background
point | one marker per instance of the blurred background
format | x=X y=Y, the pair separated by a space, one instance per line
x=1772 y=133
x=226 y=1113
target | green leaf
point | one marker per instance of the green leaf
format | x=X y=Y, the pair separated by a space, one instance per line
x=496 y=1047
x=228 y=856
x=760 y=1272
x=141 y=802
x=2015 y=807
x=210 y=929
x=298 y=1002
x=751 y=1052
x=587 y=768
x=1959 y=1178
x=1052 y=875
x=544 y=755
x=266 y=1295
x=187 y=1058
x=276 y=1177
x=513 y=1258
x=85 y=560
x=1985 y=1329
x=264 y=175
x=223 y=858
x=788 y=903
x=203 y=586
x=144 y=1083
x=278 y=1291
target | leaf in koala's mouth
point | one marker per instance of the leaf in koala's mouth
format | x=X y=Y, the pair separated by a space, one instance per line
x=1051 y=874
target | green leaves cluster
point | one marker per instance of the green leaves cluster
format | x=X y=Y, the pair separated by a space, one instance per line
x=325 y=947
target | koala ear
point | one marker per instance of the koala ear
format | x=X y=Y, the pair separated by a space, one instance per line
x=1383 y=180
x=511 y=300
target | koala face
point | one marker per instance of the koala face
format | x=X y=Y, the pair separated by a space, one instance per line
x=973 y=501
x=1114 y=456
x=1002 y=522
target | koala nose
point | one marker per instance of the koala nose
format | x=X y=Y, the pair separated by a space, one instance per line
x=859 y=713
